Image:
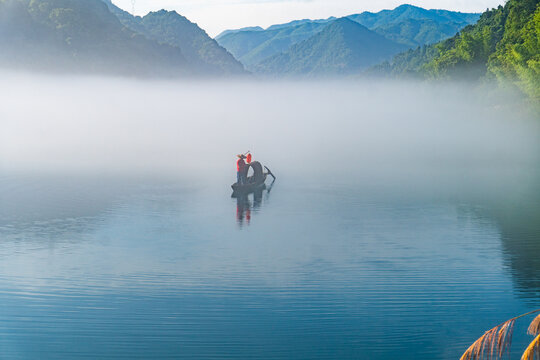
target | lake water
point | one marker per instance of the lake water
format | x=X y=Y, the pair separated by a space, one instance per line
x=404 y=221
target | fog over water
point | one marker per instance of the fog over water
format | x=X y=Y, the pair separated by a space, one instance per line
x=359 y=129
x=397 y=137
x=403 y=219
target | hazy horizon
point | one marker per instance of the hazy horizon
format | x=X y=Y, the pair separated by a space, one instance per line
x=216 y=16
x=132 y=114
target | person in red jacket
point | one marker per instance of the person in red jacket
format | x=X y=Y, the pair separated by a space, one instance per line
x=241 y=170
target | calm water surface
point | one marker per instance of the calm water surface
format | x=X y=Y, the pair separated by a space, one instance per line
x=157 y=270
x=406 y=262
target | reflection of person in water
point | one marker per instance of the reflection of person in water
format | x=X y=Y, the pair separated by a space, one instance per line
x=244 y=206
x=243 y=210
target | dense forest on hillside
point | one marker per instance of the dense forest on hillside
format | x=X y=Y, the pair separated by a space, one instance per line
x=504 y=44
x=171 y=28
x=79 y=35
x=85 y=36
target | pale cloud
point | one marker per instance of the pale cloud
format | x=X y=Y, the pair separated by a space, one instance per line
x=217 y=15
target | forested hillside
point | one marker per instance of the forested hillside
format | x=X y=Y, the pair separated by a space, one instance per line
x=79 y=35
x=504 y=44
x=169 y=27
x=84 y=36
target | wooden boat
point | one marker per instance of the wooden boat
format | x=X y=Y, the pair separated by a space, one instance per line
x=254 y=182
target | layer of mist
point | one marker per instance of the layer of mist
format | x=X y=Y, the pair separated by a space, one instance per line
x=391 y=133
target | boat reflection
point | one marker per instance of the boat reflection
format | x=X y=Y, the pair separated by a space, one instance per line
x=248 y=204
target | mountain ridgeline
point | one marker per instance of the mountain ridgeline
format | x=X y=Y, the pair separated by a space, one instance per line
x=168 y=27
x=406 y=25
x=86 y=36
x=503 y=45
x=342 y=47
x=72 y=35
x=253 y=46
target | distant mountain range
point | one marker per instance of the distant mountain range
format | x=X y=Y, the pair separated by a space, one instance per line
x=98 y=37
x=253 y=46
x=95 y=36
x=407 y=25
x=342 y=47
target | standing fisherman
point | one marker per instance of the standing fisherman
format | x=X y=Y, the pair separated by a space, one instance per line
x=241 y=170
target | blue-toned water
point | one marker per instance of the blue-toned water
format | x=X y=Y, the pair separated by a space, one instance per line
x=358 y=256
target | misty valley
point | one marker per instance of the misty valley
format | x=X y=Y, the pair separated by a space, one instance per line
x=401 y=218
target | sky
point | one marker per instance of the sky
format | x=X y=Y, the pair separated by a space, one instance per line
x=214 y=16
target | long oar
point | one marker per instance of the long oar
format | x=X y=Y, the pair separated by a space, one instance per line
x=270 y=172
